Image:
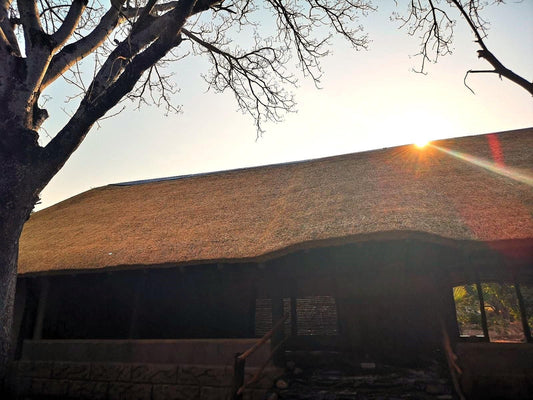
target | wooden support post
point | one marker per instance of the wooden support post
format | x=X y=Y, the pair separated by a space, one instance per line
x=251 y=308
x=277 y=314
x=241 y=359
x=294 y=313
x=238 y=376
x=133 y=331
x=41 y=308
x=523 y=315
x=448 y=305
x=484 y=325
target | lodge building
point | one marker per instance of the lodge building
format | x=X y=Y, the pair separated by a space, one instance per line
x=151 y=287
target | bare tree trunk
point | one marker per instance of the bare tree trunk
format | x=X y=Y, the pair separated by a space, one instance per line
x=17 y=198
x=8 y=277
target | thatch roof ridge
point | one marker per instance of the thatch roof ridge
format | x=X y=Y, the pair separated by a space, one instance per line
x=248 y=213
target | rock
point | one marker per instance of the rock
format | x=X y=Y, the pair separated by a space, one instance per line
x=282 y=384
x=435 y=389
x=291 y=365
x=379 y=383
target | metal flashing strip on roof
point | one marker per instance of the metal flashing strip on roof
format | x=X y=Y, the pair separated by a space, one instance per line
x=242 y=169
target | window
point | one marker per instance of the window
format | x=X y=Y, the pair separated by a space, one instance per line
x=503 y=313
x=315 y=315
x=500 y=312
x=468 y=311
x=263 y=316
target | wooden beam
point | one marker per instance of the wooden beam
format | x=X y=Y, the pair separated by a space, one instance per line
x=251 y=309
x=41 y=308
x=278 y=336
x=238 y=376
x=294 y=313
x=277 y=327
x=258 y=374
x=484 y=325
x=523 y=315
x=133 y=331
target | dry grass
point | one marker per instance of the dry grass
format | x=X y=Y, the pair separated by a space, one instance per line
x=244 y=214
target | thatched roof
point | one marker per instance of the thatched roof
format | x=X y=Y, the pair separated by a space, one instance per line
x=249 y=213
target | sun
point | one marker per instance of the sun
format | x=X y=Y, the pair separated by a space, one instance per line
x=421 y=143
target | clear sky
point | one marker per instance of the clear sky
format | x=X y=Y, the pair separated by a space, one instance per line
x=369 y=99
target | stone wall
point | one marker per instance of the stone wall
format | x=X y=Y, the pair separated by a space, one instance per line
x=496 y=370
x=175 y=351
x=122 y=381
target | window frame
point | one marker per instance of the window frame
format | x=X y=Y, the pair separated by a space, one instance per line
x=484 y=323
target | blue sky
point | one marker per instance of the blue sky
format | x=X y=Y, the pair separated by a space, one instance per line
x=369 y=99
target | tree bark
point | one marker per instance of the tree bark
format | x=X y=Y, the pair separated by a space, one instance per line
x=8 y=277
x=18 y=194
x=25 y=166
x=11 y=228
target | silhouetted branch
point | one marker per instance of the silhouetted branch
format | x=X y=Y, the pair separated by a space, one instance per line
x=435 y=27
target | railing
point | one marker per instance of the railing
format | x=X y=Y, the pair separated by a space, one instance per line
x=451 y=359
x=240 y=361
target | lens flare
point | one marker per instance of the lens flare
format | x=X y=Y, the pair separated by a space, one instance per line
x=494 y=167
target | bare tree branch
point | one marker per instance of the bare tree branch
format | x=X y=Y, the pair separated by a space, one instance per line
x=38 y=50
x=7 y=28
x=251 y=76
x=74 y=52
x=69 y=24
x=29 y=17
x=151 y=7
x=29 y=14
x=435 y=27
x=486 y=54
x=93 y=107
x=5 y=46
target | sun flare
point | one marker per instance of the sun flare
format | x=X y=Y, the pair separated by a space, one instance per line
x=421 y=143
